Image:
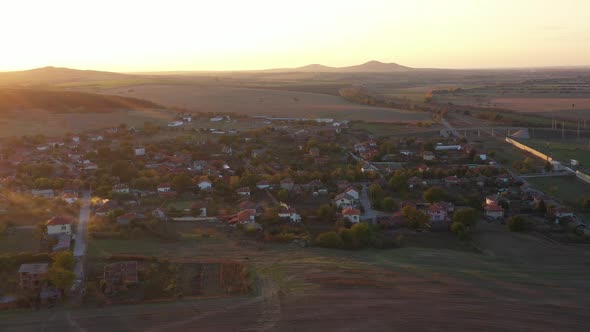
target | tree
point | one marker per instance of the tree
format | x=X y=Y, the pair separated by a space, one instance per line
x=326 y=212
x=181 y=183
x=64 y=260
x=329 y=240
x=124 y=170
x=541 y=207
x=60 y=277
x=517 y=224
x=468 y=217
x=416 y=219
x=434 y=194
x=362 y=234
x=459 y=229
x=388 y=204
x=283 y=195
x=375 y=192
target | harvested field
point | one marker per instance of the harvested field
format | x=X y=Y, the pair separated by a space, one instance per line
x=264 y=102
x=541 y=104
x=36 y=121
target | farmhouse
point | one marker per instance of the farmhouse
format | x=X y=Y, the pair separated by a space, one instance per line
x=285 y=211
x=139 y=151
x=287 y=184
x=59 y=225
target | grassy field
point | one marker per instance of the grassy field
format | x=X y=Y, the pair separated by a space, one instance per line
x=564 y=151
x=567 y=189
x=517 y=282
x=35 y=122
x=264 y=102
x=20 y=241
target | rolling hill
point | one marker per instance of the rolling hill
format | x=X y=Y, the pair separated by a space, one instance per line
x=16 y=99
x=55 y=76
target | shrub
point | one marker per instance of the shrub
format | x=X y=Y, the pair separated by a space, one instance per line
x=517 y=224
x=329 y=240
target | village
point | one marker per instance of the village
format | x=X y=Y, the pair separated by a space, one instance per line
x=302 y=182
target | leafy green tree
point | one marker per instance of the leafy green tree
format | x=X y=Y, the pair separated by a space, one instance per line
x=435 y=194
x=283 y=195
x=375 y=192
x=326 y=212
x=416 y=219
x=388 y=204
x=181 y=183
x=468 y=217
x=64 y=259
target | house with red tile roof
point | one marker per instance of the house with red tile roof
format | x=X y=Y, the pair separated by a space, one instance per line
x=59 y=225
x=352 y=214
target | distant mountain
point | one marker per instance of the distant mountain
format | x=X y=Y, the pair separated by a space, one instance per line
x=56 y=75
x=368 y=67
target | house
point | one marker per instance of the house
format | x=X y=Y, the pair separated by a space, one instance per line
x=247 y=216
x=90 y=166
x=285 y=211
x=258 y=153
x=64 y=242
x=32 y=276
x=437 y=212
x=76 y=139
x=428 y=155
x=120 y=274
x=495 y=199
x=452 y=180
x=352 y=192
x=263 y=184
x=563 y=212
x=494 y=211
x=503 y=178
x=244 y=191
x=314 y=152
x=343 y=200
x=352 y=214
x=160 y=214
x=440 y=147
x=200 y=208
x=415 y=182
x=287 y=184
x=70 y=198
x=107 y=207
x=164 y=187
x=59 y=225
x=127 y=218
x=227 y=149
x=139 y=151
x=96 y=138
x=204 y=183
x=47 y=193
x=121 y=188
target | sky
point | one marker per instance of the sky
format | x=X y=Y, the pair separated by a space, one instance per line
x=170 y=35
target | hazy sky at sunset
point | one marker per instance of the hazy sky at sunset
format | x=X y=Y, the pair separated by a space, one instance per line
x=147 y=35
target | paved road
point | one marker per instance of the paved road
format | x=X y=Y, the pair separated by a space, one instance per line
x=369 y=212
x=80 y=244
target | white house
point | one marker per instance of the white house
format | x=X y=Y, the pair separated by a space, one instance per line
x=286 y=211
x=121 y=188
x=352 y=192
x=164 y=187
x=343 y=200
x=59 y=225
x=205 y=183
x=263 y=184
x=70 y=198
x=351 y=214
x=139 y=151
x=244 y=191
x=494 y=211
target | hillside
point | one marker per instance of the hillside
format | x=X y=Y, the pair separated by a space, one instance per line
x=55 y=75
x=16 y=99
